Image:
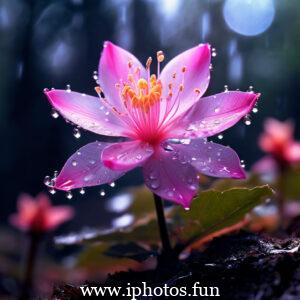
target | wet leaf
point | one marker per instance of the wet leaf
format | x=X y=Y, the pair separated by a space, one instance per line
x=214 y=210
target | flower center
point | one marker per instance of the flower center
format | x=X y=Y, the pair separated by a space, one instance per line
x=145 y=95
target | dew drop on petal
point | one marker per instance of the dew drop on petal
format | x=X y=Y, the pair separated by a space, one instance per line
x=255 y=110
x=102 y=193
x=52 y=191
x=112 y=184
x=74 y=163
x=243 y=165
x=225 y=88
x=82 y=191
x=213 y=52
x=76 y=133
x=220 y=136
x=69 y=195
x=95 y=75
x=217 y=109
x=47 y=180
x=68 y=88
x=186 y=208
x=54 y=113
x=247 y=120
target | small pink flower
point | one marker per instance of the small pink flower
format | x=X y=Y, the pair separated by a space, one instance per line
x=278 y=141
x=38 y=215
x=163 y=117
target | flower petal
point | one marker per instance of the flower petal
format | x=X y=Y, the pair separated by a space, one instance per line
x=196 y=61
x=85 y=168
x=58 y=215
x=214 y=114
x=170 y=178
x=113 y=69
x=209 y=158
x=126 y=156
x=87 y=112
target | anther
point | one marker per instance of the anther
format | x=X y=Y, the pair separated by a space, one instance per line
x=174 y=75
x=148 y=63
x=183 y=69
x=160 y=56
x=130 y=64
x=197 y=91
x=142 y=84
x=181 y=88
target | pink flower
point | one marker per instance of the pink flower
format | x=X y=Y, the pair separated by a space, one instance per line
x=38 y=215
x=164 y=119
x=277 y=140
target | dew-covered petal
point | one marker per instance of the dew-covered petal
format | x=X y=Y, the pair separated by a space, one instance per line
x=85 y=168
x=87 y=112
x=126 y=156
x=114 y=68
x=171 y=178
x=209 y=158
x=196 y=62
x=214 y=114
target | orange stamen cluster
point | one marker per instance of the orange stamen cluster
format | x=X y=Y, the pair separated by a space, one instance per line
x=144 y=95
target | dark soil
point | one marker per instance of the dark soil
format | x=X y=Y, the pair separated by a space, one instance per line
x=242 y=266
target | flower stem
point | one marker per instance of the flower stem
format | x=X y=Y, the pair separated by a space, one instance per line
x=30 y=266
x=166 y=245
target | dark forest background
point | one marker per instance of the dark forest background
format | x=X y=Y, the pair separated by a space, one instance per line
x=52 y=43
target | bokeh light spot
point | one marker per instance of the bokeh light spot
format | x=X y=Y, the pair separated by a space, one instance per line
x=249 y=17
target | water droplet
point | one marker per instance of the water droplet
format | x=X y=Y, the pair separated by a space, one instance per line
x=243 y=165
x=186 y=208
x=102 y=193
x=52 y=191
x=82 y=191
x=69 y=195
x=112 y=184
x=74 y=163
x=213 y=52
x=255 y=110
x=250 y=89
x=54 y=113
x=68 y=88
x=168 y=148
x=47 y=180
x=247 y=120
x=55 y=174
x=154 y=184
x=78 y=153
x=139 y=157
x=211 y=67
x=225 y=88
x=95 y=75
x=217 y=109
x=194 y=158
x=76 y=133
x=46 y=90
x=220 y=136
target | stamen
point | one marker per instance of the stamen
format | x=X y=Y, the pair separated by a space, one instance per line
x=174 y=75
x=181 y=87
x=160 y=56
x=130 y=64
x=148 y=63
x=183 y=70
x=197 y=91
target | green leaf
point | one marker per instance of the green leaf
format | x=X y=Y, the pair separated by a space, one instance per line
x=130 y=250
x=214 y=210
x=93 y=257
x=291 y=186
